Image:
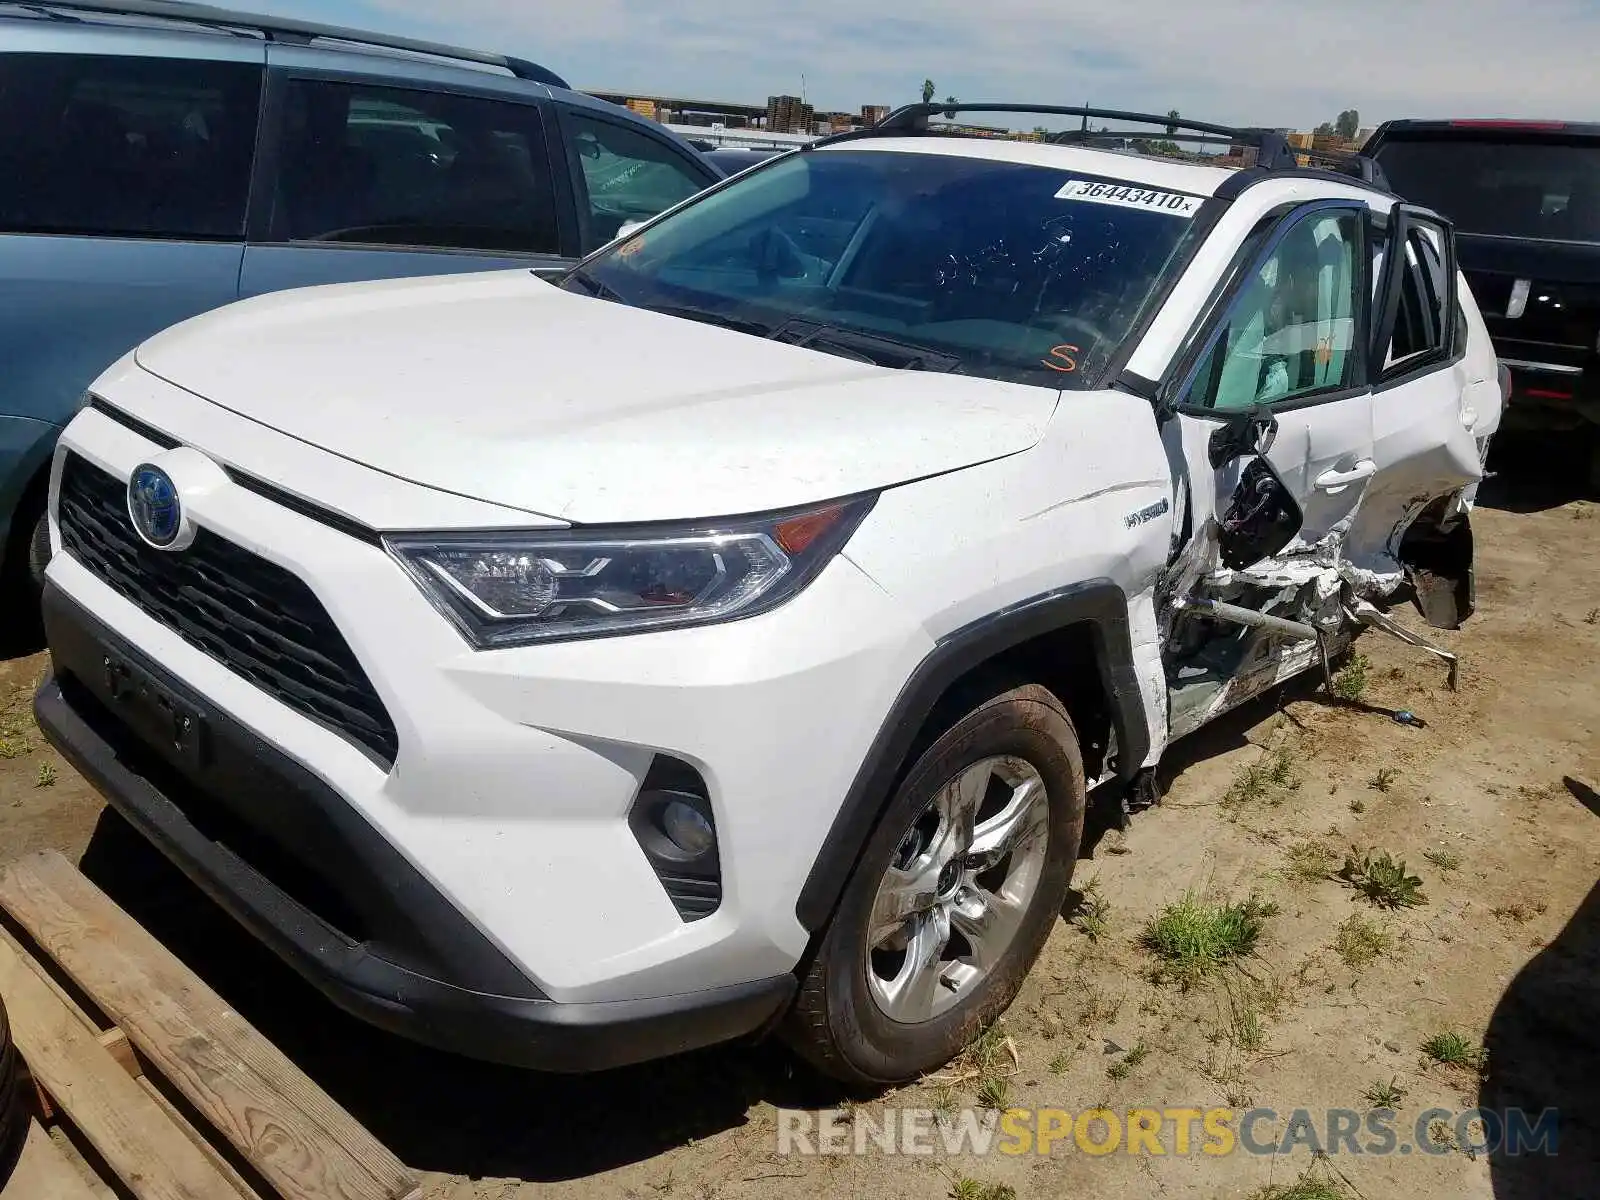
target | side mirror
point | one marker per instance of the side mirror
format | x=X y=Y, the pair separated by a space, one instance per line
x=1250 y=431
x=1261 y=519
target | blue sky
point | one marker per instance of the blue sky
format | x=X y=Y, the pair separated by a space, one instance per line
x=1242 y=61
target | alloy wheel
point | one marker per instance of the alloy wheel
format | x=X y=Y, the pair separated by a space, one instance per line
x=956 y=892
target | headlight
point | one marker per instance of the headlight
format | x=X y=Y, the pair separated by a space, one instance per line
x=510 y=589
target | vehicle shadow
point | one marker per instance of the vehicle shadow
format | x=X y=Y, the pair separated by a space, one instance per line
x=1531 y=472
x=440 y=1112
x=21 y=631
x=1584 y=795
x=1544 y=1053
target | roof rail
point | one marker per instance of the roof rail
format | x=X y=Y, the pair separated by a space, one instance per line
x=1273 y=151
x=287 y=30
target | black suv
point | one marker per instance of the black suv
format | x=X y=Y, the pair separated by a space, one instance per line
x=1525 y=199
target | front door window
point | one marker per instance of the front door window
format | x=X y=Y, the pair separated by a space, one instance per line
x=1290 y=334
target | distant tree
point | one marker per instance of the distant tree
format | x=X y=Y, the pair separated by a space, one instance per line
x=927 y=91
x=1172 y=121
x=1348 y=123
x=951 y=100
x=1323 y=130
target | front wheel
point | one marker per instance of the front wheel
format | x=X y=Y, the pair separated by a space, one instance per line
x=953 y=898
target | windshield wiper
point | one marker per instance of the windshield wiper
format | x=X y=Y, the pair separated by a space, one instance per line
x=589 y=284
x=708 y=317
x=859 y=343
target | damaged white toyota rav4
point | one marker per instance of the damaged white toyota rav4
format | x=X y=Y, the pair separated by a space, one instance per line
x=726 y=638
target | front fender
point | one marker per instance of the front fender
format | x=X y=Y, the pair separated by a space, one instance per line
x=1098 y=603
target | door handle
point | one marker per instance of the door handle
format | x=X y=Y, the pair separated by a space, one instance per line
x=1332 y=481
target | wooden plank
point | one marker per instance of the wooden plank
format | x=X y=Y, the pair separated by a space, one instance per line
x=148 y=1153
x=43 y=1172
x=117 y=1045
x=289 y=1129
x=225 y=1168
x=68 y=1001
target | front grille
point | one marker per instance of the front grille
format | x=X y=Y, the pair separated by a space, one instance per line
x=257 y=619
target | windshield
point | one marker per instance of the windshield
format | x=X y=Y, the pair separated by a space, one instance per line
x=1531 y=189
x=923 y=261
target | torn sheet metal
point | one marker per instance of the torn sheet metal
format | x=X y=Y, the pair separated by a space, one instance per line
x=1366 y=614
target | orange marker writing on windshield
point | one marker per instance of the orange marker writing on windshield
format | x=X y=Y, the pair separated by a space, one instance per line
x=1061 y=358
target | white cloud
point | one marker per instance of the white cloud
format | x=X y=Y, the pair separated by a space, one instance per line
x=1247 y=61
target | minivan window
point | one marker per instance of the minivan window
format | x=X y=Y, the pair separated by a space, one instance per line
x=396 y=167
x=1507 y=186
x=939 y=262
x=126 y=147
x=627 y=175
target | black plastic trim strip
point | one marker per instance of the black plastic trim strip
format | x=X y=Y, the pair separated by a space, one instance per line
x=1242 y=181
x=1099 y=603
x=315 y=512
x=148 y=432
x=251 y=483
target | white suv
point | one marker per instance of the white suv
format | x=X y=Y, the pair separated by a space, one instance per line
x=729 y=637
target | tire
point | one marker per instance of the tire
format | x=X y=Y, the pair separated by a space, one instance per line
x=27 y=553
x=863 y=1013
x=13 y=1102
x=38 y=554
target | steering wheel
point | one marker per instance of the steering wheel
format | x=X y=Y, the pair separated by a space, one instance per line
x=775 y=256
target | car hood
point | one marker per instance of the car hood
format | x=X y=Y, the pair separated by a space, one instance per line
x=507 y=389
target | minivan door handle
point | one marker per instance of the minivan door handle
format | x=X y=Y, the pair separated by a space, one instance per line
x=1333 y=481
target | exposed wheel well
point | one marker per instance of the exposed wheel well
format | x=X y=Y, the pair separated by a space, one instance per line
x=1437 y=554
x=1065 y=661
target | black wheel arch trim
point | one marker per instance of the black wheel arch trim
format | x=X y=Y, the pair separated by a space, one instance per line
x=1098 y=603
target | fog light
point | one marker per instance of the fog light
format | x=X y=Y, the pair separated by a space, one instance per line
x=676 y=827
x=687 y=828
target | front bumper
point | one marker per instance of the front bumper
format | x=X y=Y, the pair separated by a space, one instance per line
x=238 y=801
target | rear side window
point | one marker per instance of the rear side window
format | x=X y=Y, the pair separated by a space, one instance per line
x=1515 y=188
x=1425 y=326
x=126 y=147
x=395 y=167
x=627 y=175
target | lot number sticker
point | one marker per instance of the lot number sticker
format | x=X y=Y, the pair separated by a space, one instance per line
x=1174 y=204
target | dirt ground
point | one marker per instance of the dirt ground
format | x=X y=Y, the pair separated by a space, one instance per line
x=1499 y=788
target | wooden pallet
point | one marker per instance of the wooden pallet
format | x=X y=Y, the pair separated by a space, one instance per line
x=172 y=1095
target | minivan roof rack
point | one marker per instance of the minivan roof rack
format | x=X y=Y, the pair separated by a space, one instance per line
x=1273 y=151
x=288 y=30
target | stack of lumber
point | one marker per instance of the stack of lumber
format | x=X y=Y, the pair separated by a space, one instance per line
x=144 y=1082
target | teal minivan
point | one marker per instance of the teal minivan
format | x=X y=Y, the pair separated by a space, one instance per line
x=158 y=159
